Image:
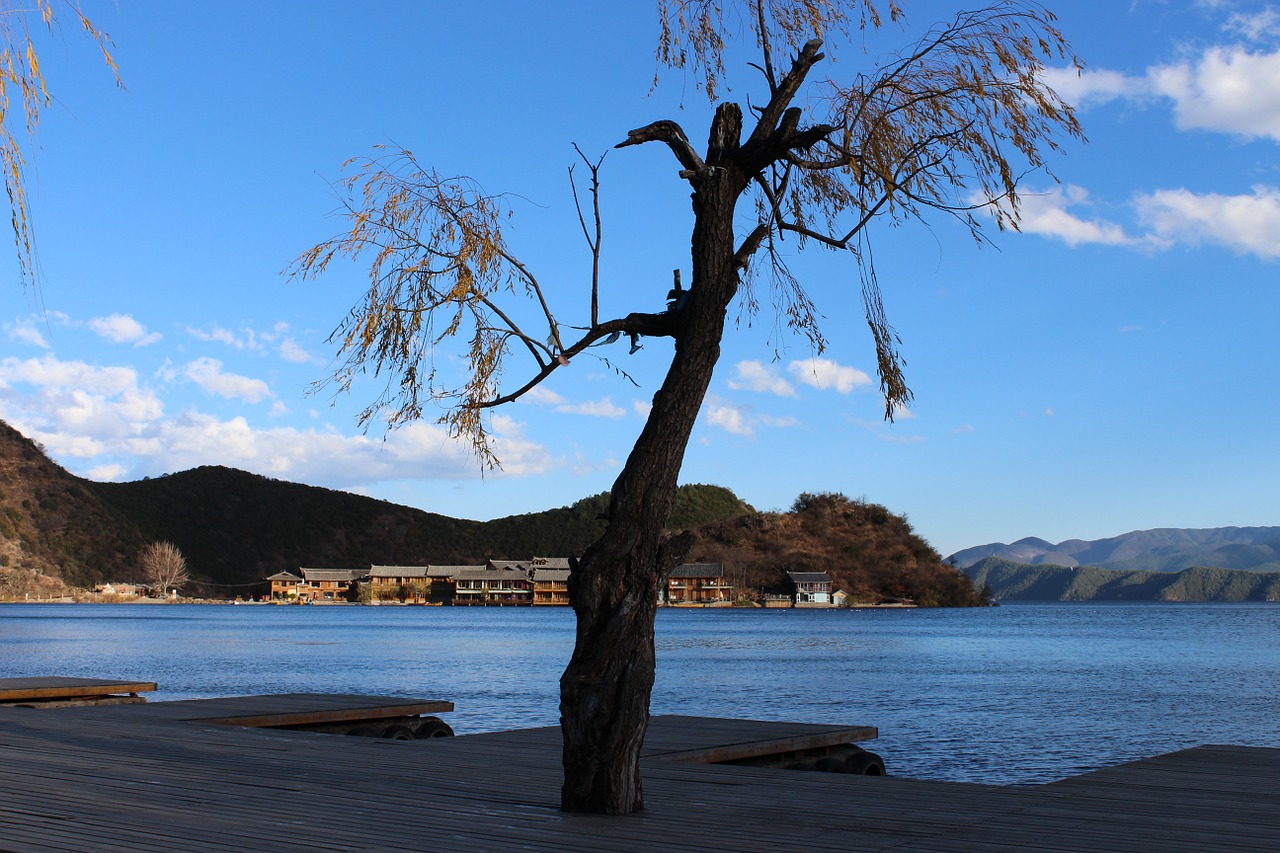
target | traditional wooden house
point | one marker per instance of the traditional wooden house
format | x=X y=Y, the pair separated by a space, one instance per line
x=486 y=585
x=328 y=584
x=284 y=586
x=407 y=583
x=697 y=583
x=551 y=586
x=550 y=577
x=444 y=582
x=811 y=588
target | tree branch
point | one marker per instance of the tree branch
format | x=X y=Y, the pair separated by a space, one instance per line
x=649 y=325
x=673 y=136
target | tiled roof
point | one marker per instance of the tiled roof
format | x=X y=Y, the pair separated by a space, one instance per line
x=398 y=571
x=347 y=575
x=448 y=571
x=809 y=577
x=471 y=573
x=698 y=570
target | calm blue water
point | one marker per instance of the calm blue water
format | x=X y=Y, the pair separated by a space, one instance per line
x=1018 y=694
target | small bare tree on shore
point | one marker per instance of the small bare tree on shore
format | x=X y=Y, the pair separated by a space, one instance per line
x=164 y=566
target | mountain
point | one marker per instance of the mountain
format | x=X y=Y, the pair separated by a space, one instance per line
x=235 y=528
x=53 y=526
x=1160 y=550
x=1010 y=581
x=869 y=552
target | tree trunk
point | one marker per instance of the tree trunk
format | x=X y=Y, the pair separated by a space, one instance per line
x=605 y=690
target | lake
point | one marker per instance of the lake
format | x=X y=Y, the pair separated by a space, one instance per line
x=1019 y=694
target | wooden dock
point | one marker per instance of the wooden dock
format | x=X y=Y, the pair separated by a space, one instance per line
x=164 y=777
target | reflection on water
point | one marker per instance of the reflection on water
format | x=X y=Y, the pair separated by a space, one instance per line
x=1017 y=694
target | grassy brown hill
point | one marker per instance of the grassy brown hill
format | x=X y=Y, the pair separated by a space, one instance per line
x=870 y=553
x=235 y=528
x=53 y=527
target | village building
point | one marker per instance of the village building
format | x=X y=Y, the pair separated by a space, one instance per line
x=284 y=585
x=485 y=585
x=697 y=583
x=551 y=586
x=811 y=588
x=328 y=584
x=404 y=583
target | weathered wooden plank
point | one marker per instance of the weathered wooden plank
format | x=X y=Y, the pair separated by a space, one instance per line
x=714 y=740
x=156 y=782
x=59 y=687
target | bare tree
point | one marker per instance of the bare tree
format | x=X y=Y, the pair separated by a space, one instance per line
x=163 y=566
x=22 y=81
x=958 y=115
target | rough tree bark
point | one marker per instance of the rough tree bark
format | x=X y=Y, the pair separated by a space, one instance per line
x=605 y=690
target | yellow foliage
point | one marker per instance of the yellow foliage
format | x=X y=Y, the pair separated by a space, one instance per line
x=20 y=70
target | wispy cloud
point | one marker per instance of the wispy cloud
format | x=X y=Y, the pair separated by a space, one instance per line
x=543 y=395
x=25 y=332
x=1246 y=224
x=604 y=408
x=122 y=329
x=292 y=352
x=207 y=373
x=757 y=376
x=246 y=339
x=1256 y=26
x=1053 y=214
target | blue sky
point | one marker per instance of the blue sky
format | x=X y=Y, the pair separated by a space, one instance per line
x=1111 y=368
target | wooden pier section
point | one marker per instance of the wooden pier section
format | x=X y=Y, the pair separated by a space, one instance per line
x=188 y=776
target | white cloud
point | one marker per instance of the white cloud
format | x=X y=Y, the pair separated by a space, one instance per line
x=641 y=408
x=106 y=473
x=1048 y=214
x=247 y=339
x=782 y=422
x=823 y=373
x=122 y=329
x=1089 y=88
x=539 y=394
x=292 y=352
x=728 y=418
x=25 y=332
x=902 y=413
x=756 y=376
x=1254 y=27
x=1227 y=89
x=75 y=409
x=1246 y=224
x=207 y=374
x=604 y=408
x=99 y=422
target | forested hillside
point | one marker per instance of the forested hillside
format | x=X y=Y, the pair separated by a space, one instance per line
x=235 y=528
x=1010 y=581
x=870 y=553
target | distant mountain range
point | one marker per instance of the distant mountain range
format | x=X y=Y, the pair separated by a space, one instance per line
x=1166 y=549
x=1009 y=581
